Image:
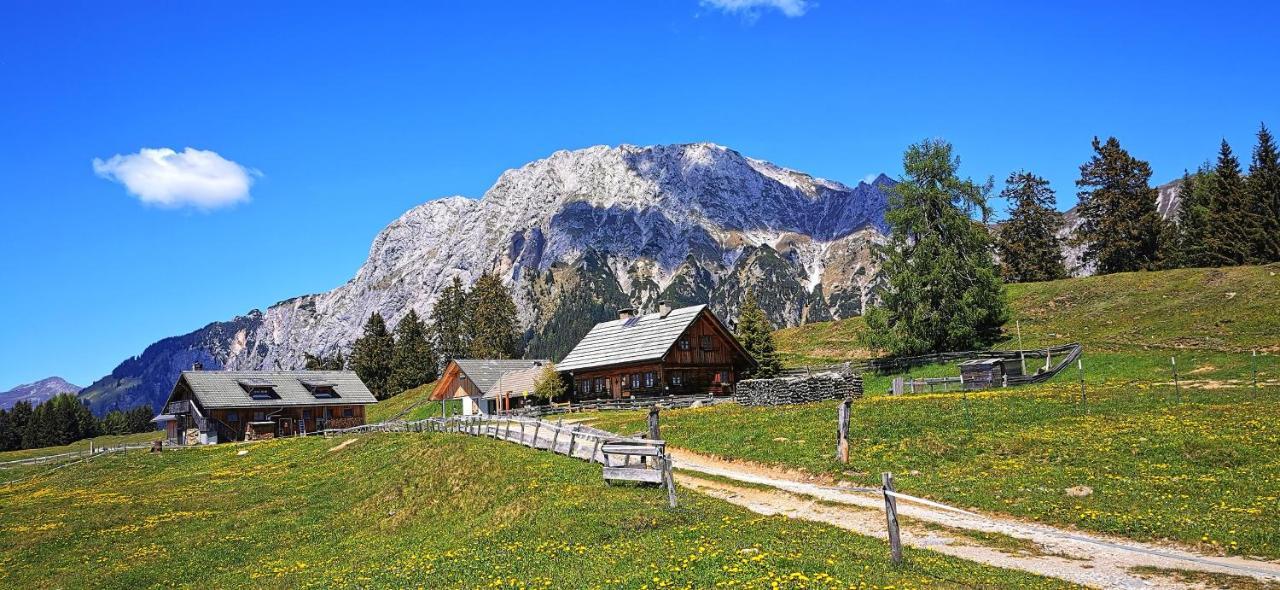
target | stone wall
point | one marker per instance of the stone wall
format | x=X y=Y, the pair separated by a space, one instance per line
x=799 y=389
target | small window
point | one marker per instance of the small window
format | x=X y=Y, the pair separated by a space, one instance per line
x=348 y=412
x=648 y=379
x=684 y=343
x=328 y=413
x=706 y=343
x=324 y=392
x=233 y=417
x=599 y=384
x=677 y=378
x=635 y=381
x=259 y=416
x=262 y=393
x=584 y=386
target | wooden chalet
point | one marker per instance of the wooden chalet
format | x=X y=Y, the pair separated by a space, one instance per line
x=669 y=352
x=208 y=407
x=486 y=386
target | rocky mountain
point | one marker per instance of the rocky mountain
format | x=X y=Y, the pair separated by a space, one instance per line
x=37 y=392
x=575 y=235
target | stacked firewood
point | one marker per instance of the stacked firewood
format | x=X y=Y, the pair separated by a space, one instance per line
x=800 y=389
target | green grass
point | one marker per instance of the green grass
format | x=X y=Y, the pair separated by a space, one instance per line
x=1129 y=323
x=1200 y=467
x=418 y=510
x=83 y=445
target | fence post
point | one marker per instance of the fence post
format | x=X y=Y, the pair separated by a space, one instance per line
x=891 y=517
x=668 y=480
x=1177 y=389
x=1253 y=364
x=573 y=438
x=555 y=438
x=842 y=431
x=1084 y=398
x=537 y=425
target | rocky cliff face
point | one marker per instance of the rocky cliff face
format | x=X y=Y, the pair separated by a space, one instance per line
x=36 y=393
x=577 y=235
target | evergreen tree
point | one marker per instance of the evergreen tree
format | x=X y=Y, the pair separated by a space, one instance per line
x=1232 y=227
x=1264 y=196
x=413 y=362
x=1120 y=226
x=1028 y=242
x=493 y=332
x=15 y=423
x=62 y=419
x=1193 y=222
x=114 y=423
x=450 y=322
x=139 y=419
x=319 y=362
x=756 y=335
x=941 y=289
x=371 y=356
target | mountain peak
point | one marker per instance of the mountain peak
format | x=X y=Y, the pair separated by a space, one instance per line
x=36 y=392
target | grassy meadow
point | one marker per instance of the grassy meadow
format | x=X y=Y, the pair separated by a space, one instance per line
x=418 y=510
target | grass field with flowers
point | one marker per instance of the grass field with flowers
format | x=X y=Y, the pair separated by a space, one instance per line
x=417 y=511
x=1198 y=466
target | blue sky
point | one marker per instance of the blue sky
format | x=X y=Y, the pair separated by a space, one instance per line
x=343 y=116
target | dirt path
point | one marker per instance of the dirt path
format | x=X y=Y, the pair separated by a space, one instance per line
x=1082 y=558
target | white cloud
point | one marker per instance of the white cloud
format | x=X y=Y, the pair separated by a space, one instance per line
x=751 y=8
x=163 y=177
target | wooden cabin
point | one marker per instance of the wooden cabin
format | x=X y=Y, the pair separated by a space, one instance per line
x=486 y=386
x=208 y=407
x=669 y=352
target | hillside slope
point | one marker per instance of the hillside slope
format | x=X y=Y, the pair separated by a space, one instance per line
x=416 y=510
x=1222 y=310
x=37 y=392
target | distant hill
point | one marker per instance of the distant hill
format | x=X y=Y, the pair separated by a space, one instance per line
x=1211 y=309
x=37 y=392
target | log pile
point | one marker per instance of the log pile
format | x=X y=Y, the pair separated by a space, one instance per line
x=800 y=389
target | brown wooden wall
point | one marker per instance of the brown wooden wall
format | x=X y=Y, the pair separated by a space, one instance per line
x=702 y=360
x=308 y=415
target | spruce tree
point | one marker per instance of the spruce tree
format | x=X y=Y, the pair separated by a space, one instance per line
x=1120 y=226
x=319 y=362
x=940 y=289
x=756 y=335
x=1264 y=196
x=371 y=356
x=1232 y=226
x=1028 y=242
x=1193 y=222
x=450 y=321
x=414 y=361
x=492 y=330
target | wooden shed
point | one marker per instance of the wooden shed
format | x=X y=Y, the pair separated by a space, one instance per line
x=985 y=373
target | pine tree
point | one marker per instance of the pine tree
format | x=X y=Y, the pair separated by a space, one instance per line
x=1028 y=242
x=941 y=290
x=756 y=335
x=492 y=328
x=414 y=361
x=371 y=356
x=1120 y=225
x=1232 y=227
x=450 y=322
x=1264 y=196
x=15 y=424
x=319 y=362
x=1193 y=222
x=139 y=419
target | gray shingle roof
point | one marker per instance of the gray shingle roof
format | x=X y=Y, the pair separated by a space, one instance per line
x=223 y=389
x=639 y=339
x=486 y=372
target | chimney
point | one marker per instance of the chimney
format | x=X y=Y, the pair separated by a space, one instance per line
x=664 y=308
x=197 y=366
x=626 y=313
